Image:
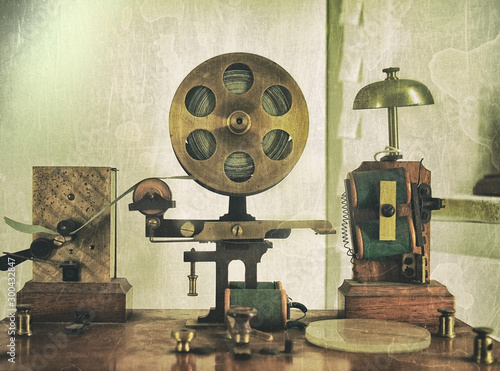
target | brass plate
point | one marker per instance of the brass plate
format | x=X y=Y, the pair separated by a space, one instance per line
x=220 y=123
x=387 y=224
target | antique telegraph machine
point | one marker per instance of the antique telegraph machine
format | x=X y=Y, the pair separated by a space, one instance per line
x=73 y=251
x=388 y=205
x=238 y=125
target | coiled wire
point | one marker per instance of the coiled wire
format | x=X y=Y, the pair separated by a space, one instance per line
x=345 y=234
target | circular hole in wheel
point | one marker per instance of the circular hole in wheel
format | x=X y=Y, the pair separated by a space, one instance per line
x=200 y=101
x=276 y=100
x=277 y=144
x=239 y=167
x=238 y=78
x=201 y=144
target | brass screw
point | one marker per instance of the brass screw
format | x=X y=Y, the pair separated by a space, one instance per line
x=183 y=336
x=153 y=223
x=483 y=345
x=447 y=323
x=236 y=230
x=187 y=229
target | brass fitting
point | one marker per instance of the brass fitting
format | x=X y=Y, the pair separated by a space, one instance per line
x=239 y=323
x=192 y=285
x=483 y=345
x=447 y=323
x=192 y=279
x=183 y=336
x=23 y=320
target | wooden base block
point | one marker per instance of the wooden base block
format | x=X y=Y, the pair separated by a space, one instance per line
x=415 y=304
x=58 y=301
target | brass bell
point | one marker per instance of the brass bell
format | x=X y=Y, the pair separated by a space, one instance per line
x=392 y=93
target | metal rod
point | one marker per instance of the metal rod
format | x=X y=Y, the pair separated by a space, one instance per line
x=115 y=223
x=169 y=239
x=393 y=130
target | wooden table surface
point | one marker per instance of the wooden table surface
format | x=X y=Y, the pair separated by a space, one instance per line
x=144 y=343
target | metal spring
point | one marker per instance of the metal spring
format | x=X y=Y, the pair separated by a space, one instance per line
x=345 y=233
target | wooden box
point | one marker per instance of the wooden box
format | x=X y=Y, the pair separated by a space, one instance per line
x=82 y=195
x=59 y=301
x=403 y=302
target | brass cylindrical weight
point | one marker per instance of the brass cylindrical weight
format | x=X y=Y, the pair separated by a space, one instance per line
x=447 y=323
x=23 y=320
x=483 y=345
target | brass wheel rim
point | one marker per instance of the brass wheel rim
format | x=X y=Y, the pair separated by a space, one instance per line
x=204 y=119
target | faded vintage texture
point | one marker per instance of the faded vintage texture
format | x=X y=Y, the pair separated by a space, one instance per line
x=453 y=47
x=90 y=83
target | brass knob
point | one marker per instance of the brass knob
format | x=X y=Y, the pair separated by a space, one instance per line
x=447 y=323
x=483 y=345
x=239 y=326
x=387 y=210
x=23 y=320
x=239 y=122
x=183 y=336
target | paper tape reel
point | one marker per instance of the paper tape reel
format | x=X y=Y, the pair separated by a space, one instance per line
x=238 y=124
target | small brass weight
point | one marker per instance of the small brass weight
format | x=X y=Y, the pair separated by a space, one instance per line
x=238 y=318
x=447 y=323
x=483 y=345
x=183 y=336
x=23 y=320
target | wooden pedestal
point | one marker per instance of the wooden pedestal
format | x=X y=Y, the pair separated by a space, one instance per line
x=58 y=301
x=415 y=304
